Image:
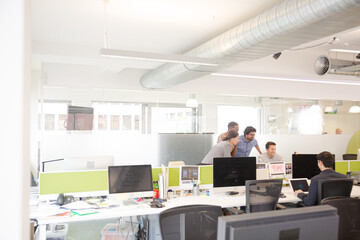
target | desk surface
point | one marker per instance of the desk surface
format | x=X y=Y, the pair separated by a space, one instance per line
x=144 y=209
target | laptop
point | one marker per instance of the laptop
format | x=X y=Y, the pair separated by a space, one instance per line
x=300 y=183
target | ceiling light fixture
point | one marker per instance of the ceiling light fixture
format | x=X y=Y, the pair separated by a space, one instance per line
x=354 y=108
x=329 y=109
x=344 y=50
x=192 y=102
x=159 y=57
x=285 y=79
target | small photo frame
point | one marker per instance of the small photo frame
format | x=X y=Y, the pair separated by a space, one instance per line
x=277 y=168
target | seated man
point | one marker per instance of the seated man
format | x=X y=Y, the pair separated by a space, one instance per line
x=270 y=155
x=325 y=163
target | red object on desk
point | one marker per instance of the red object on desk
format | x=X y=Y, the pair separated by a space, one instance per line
x=156 y=193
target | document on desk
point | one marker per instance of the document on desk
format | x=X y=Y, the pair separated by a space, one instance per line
x=49 y=210
x=79 y=205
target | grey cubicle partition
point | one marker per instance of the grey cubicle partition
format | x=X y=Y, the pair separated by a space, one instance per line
x=190 y=148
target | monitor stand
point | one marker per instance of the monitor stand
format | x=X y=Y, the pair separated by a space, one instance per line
x=121 y=200
x=128 y=202
x=232 y=193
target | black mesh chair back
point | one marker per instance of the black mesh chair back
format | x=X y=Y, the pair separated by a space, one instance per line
x=262 y=195
x=349 y=216
x=193 y=222
x=334 y=187
x=349 y=156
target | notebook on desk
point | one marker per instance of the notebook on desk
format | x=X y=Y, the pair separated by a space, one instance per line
x=300 y=184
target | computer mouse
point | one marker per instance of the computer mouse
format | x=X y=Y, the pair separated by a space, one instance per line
x=156 y=204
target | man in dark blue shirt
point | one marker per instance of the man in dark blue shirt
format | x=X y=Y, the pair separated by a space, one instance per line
x=325 y=163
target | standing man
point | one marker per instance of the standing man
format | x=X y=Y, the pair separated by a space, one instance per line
x=270 y=155
x=231 y=126
x=246 y=143
x=325 y=163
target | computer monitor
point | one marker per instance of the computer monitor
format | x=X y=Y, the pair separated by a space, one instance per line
x=305 y=165
x=130 y=181
x=318 y=222
x=230 y=174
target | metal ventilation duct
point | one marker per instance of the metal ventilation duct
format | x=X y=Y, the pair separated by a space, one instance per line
x=324 y=65
x=282 y=27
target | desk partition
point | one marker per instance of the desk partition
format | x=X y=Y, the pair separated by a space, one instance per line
x=95 y=182
x=344 y=166
x=90 y=183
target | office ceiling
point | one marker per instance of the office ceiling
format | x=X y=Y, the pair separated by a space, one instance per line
x=67 y=36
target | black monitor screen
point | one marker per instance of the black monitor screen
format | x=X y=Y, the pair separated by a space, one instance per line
x=305 y=165
x=131 y=178
x=228 y=172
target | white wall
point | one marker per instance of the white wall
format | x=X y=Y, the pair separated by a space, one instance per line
x=287 y=144
x=14 y=121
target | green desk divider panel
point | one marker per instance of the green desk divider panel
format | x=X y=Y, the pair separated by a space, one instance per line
x=206 y=175
x=354 y=143
x=72 y=182
x=155 y=173
x=354 y=166
x=341 y=167
x=174 y=175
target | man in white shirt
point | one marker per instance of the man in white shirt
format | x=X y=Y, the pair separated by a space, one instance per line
x=270 y=155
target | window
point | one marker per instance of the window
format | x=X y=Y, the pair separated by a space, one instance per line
x=102 y=122
x=53 y=115
x=115 y=122
x=49 y=121
x=244 y=116
x=307 y=120
x=116 y=116
x=126 y=122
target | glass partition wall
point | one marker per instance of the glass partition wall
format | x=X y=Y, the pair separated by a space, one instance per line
x=156 y=126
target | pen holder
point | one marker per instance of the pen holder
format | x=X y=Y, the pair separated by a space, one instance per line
x=196 y=191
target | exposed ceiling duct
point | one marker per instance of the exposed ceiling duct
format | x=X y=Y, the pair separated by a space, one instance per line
x=282 y=27
x=324 y=65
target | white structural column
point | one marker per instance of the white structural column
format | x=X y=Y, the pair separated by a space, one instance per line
x=14 y=120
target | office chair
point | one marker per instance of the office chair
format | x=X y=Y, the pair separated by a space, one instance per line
x=193 y=222
x=349 y=156
x=334 y=187
x=349 y=216
x=262 y=195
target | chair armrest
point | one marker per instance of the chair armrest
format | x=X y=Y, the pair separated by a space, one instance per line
x=234 y=211
x=280 y=207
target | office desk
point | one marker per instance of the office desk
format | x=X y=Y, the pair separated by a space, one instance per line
x=144 y=209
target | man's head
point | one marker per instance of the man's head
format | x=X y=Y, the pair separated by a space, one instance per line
x=271 y=149
x=233 y=126
x=325 y=160
x=249 y=133
x=338 y=131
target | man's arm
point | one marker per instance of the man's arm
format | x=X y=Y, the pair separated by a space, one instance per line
x=258 y=149
x=311 y=198
x=233 y=152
